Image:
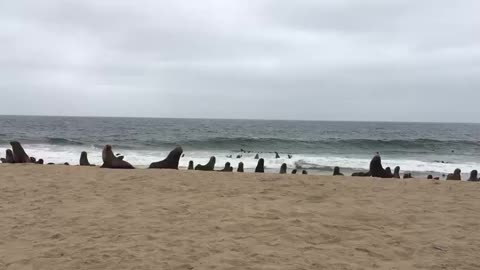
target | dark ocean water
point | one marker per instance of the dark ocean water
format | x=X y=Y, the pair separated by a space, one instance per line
x=417 y=147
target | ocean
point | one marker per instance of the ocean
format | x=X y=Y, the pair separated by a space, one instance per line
x=317 y=146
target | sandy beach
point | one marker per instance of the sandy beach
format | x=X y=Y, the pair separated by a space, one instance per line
x=68 y=217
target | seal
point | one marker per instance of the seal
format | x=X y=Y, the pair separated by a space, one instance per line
x=361 y=174
x=40 y=161
x=260 y=166
x=277 y=155
x=388 y=173
x=240 y=167
x=294 y=171
x=9 y=156
x=110 y=161
x=473 y=176
x=456 y=175
x=190 y=165
x=376 y=168
x=396 y=172
x=207 y=167
x=407 y=176
x=84 y=159
x=171 y=162
x=336 y=172
x=19 y=155
x=283 y=168
x=227 y=168
x=257 y=156
x=304 y=172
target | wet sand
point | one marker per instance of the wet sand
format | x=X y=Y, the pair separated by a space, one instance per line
x=67 y=217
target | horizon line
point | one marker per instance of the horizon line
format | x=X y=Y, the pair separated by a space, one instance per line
x=241 y=119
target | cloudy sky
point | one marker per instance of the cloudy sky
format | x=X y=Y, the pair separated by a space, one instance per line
x=395 y=60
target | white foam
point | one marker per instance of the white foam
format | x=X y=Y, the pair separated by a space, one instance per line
x=142 y=158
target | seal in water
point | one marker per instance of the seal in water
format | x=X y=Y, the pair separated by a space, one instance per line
x=207 y=167
x=283 y=168
x=19 y=155
x=260 y=166
x=111 y=161
x=171 y=162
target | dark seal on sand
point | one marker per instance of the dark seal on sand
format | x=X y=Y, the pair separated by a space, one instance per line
x=260 y=166
x=240 y=167
x=396 y=172
x=171 y=162
x=84 y=159
x=207 y=167
x=336 y=171
x=227 y=168
x=19 y=155
x=376 y=168
x=257 y=156
x=430 y=177
x=456 y=175
x=361 y=174
x=304 y=172
x=190 y=165
x=388 y=173
x=407 y=176
x=473 y=176
x=283 y=168
x=294 y=171
x=40 y=161
x=9 y=156
x=111 y=161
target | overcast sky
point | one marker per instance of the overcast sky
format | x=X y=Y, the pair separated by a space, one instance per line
x=394 y=60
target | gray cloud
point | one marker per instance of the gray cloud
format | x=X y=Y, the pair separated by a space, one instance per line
x=337 y=60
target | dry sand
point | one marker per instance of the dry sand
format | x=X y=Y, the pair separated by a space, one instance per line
x=66 y=217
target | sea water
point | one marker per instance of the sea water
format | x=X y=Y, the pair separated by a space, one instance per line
x=313 y=145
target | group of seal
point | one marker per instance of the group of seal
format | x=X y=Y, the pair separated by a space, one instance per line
x=111 y=161
x=18 y=155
